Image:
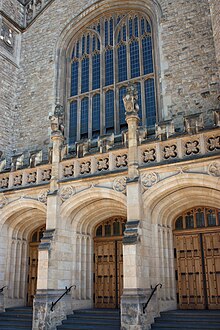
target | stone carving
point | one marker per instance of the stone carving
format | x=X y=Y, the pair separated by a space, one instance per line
x=17 y=180
x=170 y=151
x=57 y=119
x=121 y=161
x=7 y=35
x=17 y=162
x=193 y=123
x=4 y=183
x=214 y=169
x=42 y=197
x=164 y=129
x=68 y=171
x=46 y=175
x=149 y=155
x=130 y=100
x=119 y=184
x=85 y=167
x=103 y=164
x=82 y=148
x=66 y=192
x=149 y=179
x=32 y=177
x=142 y=134
x=38 y=5
x=2 y=161
x=3 y=201
x=192 y=147
x=29 y=12
x=35 y=158
x=217 y=117
x=214 y=143
x=105 y=142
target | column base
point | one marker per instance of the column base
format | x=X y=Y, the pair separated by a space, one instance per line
x=43 y=317
x=132 y=316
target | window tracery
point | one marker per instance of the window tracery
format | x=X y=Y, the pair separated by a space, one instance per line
x=106 y=57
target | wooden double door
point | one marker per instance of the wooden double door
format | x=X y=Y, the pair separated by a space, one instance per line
x=108 y=272
x=198 y=269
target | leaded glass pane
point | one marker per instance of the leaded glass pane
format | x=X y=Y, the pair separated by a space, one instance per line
x=136 y=26
x=179 y=223
x=122 y=63
x=189 y=221
x=147 y=55
x=109 y=111
x=106 y=33
x=122 y=92
x=200 y=219
x=211 y=218
x=130 y=28
x=116 y=228
x=111 y=31
x=84 y=118
x=134 y=58
x=85 y=75
x=109 y=74
x=150 y=102
x=96 y=115
x=74 y=78
x=96 y=71
x=73 y=122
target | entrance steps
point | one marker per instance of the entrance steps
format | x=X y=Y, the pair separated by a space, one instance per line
x=19 y=318
x=188 y=319
x=92 y=319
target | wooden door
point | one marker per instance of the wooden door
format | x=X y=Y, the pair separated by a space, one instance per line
x=33 y=263
x=32 y=274
x=198 y=270
x=108 y=277
x=211 y=248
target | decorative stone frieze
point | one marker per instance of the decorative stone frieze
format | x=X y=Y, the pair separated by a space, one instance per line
x=170 y=151
x=103 y=164
x=46 y=175
x=149 y=179
x=17 y=180
x=192 y=147
x=213 y=143
x=4 y=182
x=121 y=161
x=85 y=167
x=3 y=201
x=42 y=197
x=68 y=171
x=119 y=184
x=214 y=169
x=149 y=155
x=32 y=177
x=67 y=192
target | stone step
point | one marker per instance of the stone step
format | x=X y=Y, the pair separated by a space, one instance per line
x=92 y=319
x=16 y=318
x=183 y=320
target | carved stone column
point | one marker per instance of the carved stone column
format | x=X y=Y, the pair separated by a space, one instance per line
x=136 y=268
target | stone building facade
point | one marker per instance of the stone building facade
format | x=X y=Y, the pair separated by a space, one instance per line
x=109 y=184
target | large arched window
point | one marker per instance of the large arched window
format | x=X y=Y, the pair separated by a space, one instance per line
x=110 y=53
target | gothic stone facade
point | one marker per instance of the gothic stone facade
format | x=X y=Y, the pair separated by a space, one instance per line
x=149 y=180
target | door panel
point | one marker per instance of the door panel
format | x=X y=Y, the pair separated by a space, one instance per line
x=211 y=245
x=32 y=275
x=198 y=270
x=108 y=273
x=190 y=275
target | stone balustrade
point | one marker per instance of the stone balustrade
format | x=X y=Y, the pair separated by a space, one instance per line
x=174 y=149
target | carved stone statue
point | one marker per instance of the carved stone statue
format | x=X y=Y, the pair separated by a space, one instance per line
x=130 y=100
x=57 y=119
x=2 y=161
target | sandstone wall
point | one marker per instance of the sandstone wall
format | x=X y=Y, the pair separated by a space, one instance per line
x=215 y=15
x=189 y=72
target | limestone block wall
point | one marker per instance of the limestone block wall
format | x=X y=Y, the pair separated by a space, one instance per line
x=215 y=15
x=187 y=69
x=13 y=9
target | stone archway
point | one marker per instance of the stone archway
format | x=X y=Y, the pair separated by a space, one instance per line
x=18 y=220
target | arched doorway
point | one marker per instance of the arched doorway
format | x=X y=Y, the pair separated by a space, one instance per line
x=33 y=263
x=197 y=258
x=108 y=263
